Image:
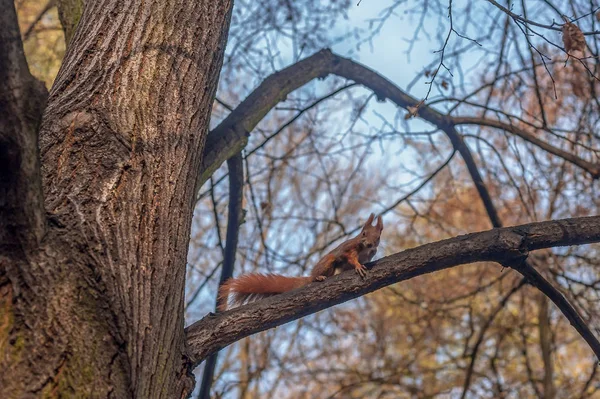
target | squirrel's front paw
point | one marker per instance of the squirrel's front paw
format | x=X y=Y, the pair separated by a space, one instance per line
x=362 y=271
x=320 y=278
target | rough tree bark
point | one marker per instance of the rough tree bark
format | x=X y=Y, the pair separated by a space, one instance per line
x=92 y=295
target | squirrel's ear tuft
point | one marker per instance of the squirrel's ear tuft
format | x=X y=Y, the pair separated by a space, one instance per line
x=379 y=223
x=370 y=220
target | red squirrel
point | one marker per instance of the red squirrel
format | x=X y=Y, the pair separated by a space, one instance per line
x=351 y=254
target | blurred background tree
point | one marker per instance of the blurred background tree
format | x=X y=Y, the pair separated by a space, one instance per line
x=43 y=38
x=331 y=153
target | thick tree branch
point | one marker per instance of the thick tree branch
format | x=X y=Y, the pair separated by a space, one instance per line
x=22 y=101
x=503 y=245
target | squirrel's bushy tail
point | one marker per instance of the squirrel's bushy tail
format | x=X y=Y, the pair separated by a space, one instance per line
x=251 y=287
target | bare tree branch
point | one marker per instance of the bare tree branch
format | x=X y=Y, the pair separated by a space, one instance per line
x=537 y=280
x=503 y=245
x=37 y=19
x=592 y=168
x=545 y=332
x=555 y=26
x=460 y=146
x=482 y=332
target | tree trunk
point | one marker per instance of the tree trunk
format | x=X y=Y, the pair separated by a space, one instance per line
x=96 y=309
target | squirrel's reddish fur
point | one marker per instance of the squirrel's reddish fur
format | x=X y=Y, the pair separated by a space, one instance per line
x=350 y=254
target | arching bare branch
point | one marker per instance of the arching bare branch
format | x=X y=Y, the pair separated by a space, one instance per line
x=231 y=135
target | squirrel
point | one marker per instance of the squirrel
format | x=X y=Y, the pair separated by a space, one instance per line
x=351 y=254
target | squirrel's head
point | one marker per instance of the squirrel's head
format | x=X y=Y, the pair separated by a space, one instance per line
x=370 y=235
